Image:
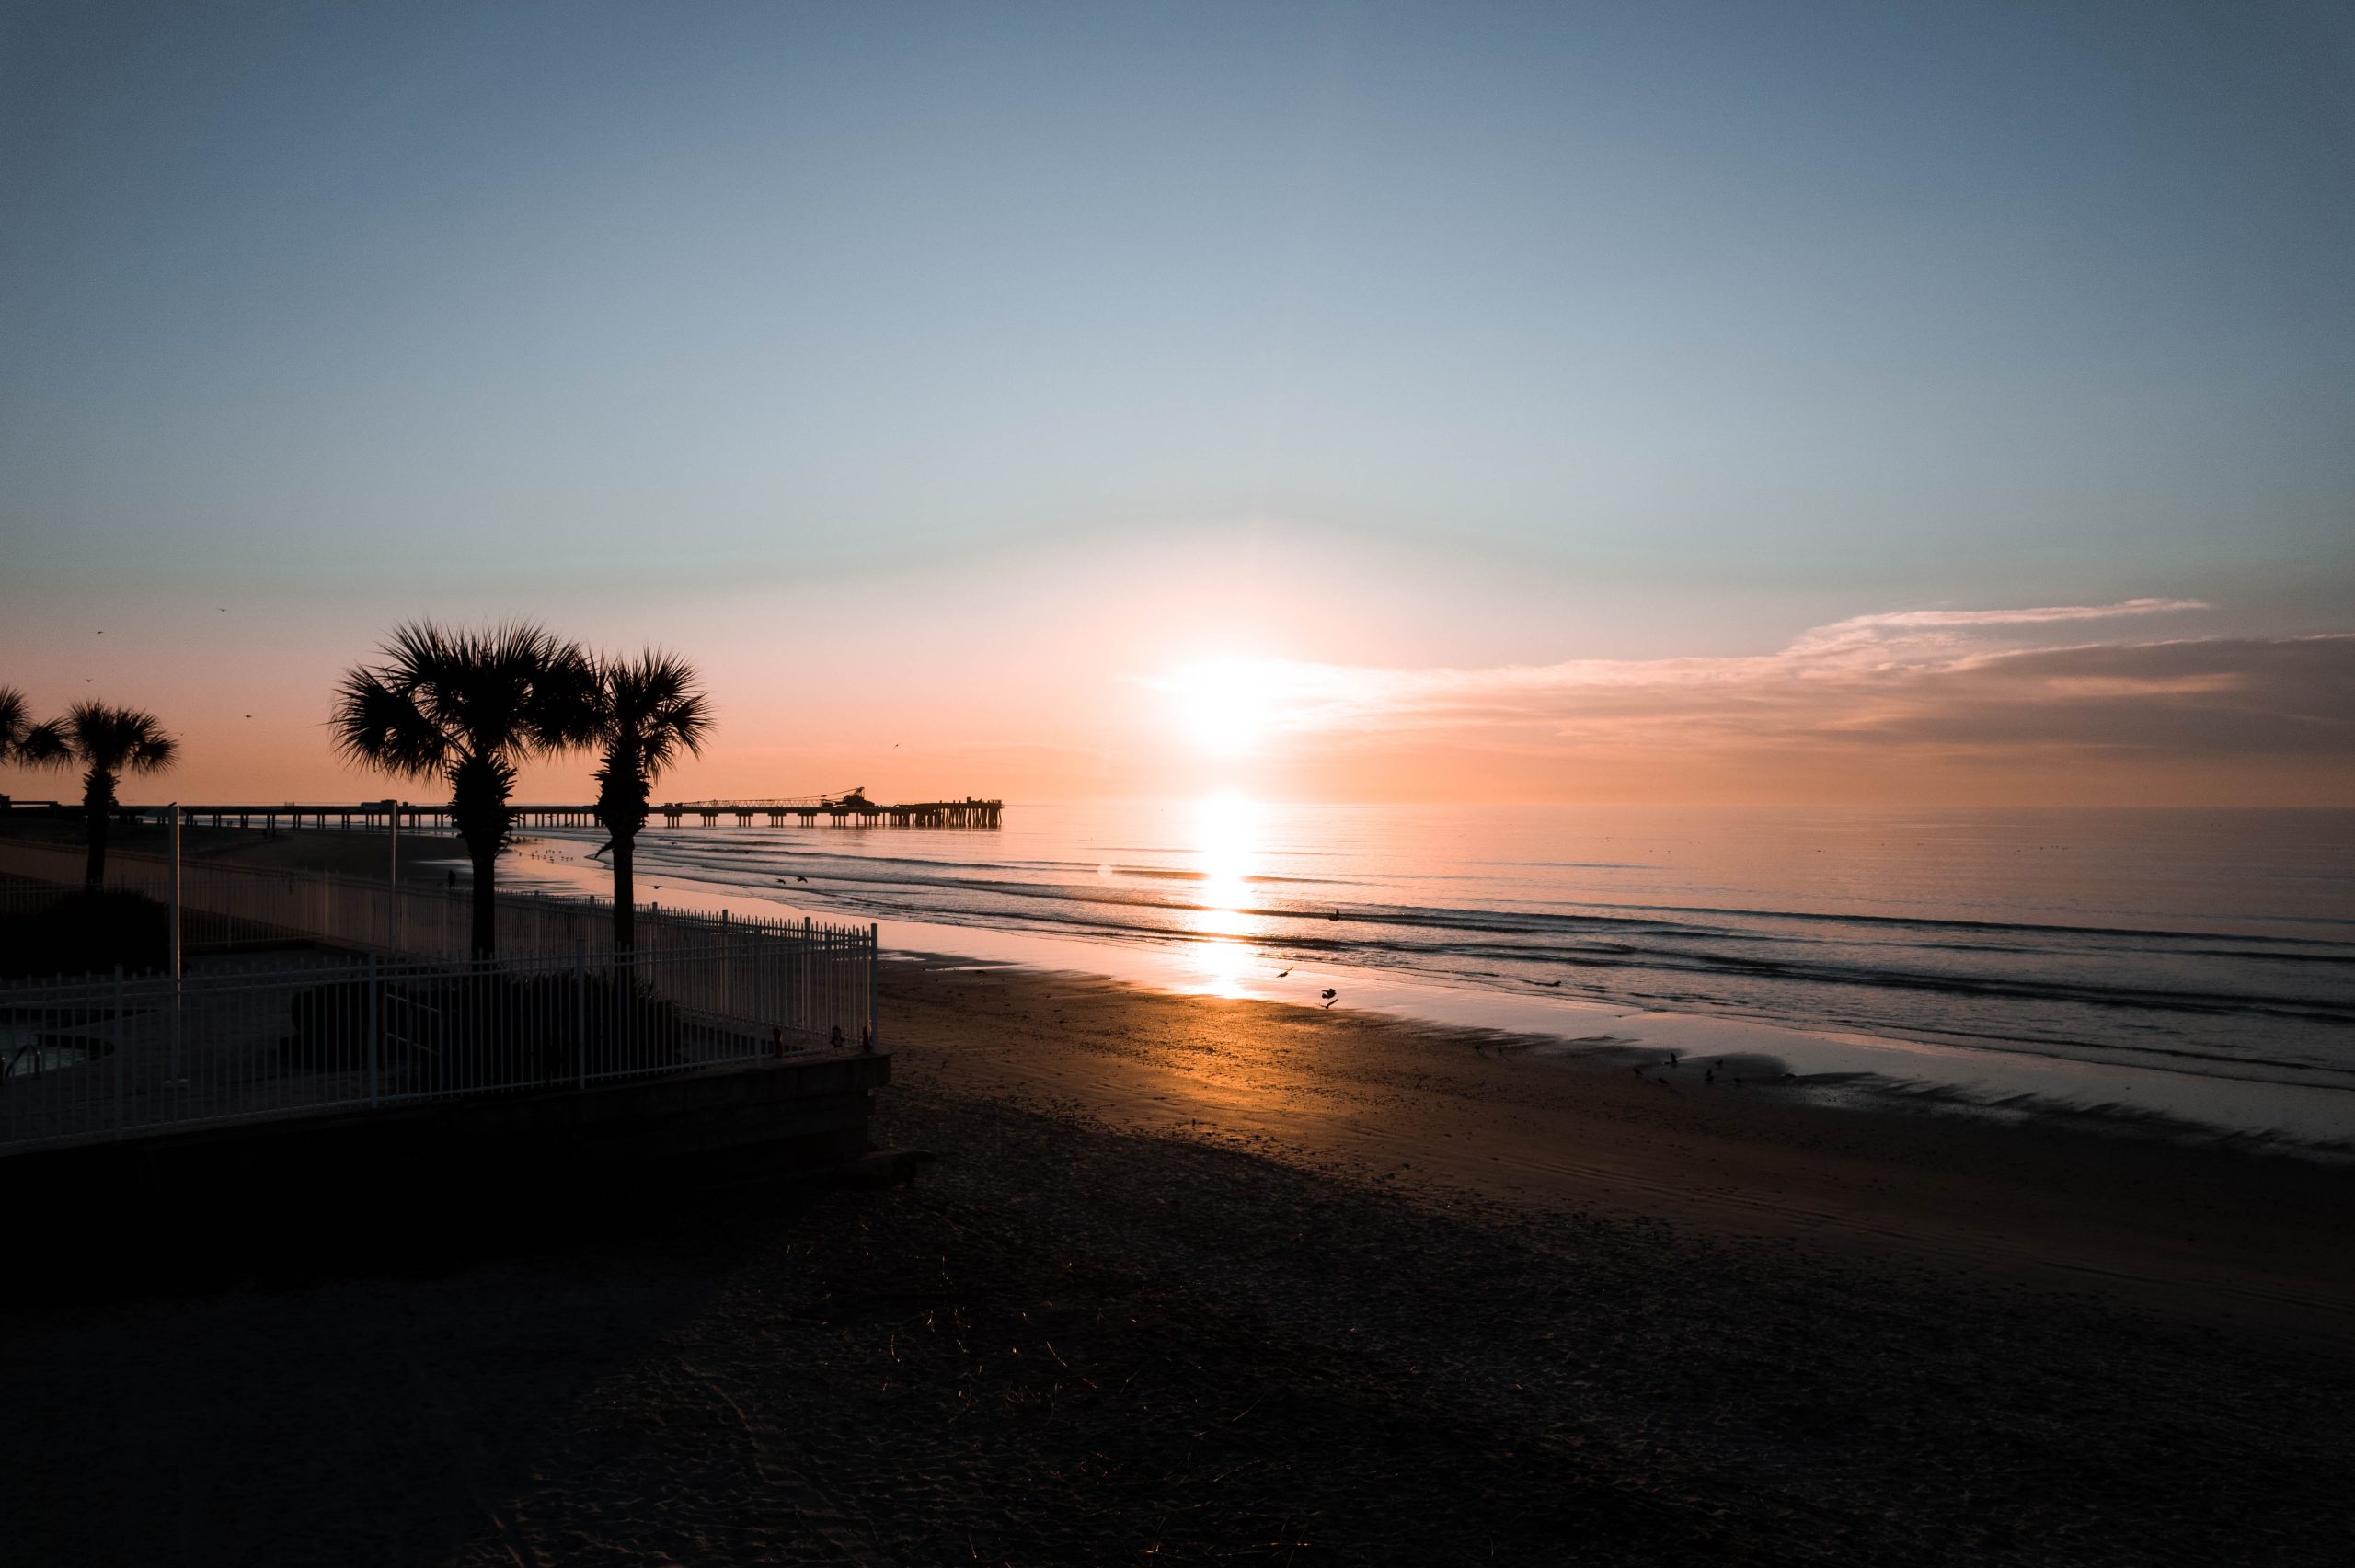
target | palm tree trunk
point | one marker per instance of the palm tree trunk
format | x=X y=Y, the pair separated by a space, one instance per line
x=624 y=892
x=486 y=891
x=479 y=810
x=94 y=871
x=98 y=809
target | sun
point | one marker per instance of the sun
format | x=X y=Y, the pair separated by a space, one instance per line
x=1222 y=706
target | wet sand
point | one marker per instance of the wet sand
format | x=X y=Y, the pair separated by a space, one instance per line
x=1718 y=1146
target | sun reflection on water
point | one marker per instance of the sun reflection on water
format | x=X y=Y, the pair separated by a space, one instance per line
x=1227 y=851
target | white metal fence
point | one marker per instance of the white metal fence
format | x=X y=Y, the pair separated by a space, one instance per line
x=233 y=905
x=236 y=1039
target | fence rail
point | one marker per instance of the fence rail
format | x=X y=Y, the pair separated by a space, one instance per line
x=391 y=1011
x=231 y=906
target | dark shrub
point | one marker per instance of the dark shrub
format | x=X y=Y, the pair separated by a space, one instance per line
x=87 y=933
x=331 y=1026
x=464 y=1031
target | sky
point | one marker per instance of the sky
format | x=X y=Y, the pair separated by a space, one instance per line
x=1807 y=403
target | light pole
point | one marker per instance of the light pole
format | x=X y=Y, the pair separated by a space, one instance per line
x=178 y=1077
x=393 y=886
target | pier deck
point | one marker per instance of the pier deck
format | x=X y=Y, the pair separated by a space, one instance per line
x=849 y=809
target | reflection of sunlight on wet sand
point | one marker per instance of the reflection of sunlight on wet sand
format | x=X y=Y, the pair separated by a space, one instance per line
x=1226 y=851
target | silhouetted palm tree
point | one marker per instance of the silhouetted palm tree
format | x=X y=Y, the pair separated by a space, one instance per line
x=107 y=742
x=467 y=707
x=643 y=714
x=15 y=717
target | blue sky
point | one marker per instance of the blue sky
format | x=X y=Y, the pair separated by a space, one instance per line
x=1623 y=330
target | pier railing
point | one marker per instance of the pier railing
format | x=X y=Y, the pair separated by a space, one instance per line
x=376 y=816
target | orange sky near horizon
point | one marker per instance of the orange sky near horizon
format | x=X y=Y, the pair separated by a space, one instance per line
x=1037 y=683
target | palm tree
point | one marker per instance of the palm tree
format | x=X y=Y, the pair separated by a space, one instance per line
x=642 y=714
x=468 y=707
x=15 y=721
x=107 y=742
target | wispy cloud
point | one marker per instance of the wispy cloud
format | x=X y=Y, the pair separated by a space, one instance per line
x=1948 y=678
x=1918 y=633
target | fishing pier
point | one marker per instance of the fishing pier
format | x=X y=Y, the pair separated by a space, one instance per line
x=845 y=808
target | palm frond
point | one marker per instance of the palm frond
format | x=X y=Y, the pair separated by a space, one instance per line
x=442 y=697
x=380 y=726
x=44 y=745
x=110 y=738
x=651 y=709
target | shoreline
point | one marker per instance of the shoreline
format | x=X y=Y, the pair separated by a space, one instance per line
x=2309 y=1118
x=2305 y=1120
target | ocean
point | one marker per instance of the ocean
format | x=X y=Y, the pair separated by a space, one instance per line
x=2194 y=965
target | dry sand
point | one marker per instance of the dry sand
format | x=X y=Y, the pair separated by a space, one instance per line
x=1203 y=1280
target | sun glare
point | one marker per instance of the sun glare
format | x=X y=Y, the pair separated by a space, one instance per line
x=1222 y=706
x=1226 y=851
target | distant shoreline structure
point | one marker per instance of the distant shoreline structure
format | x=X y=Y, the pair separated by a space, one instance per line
x=849 y=809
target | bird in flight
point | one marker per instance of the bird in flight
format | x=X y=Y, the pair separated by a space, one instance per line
x=1281 y=973
x=1331 y=996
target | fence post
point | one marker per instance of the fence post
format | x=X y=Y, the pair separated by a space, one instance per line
x=375 y=1025
x=579 y=1012
x=393 y=886
x=122 y=1046
x=872 y=1030
x=178 y=1079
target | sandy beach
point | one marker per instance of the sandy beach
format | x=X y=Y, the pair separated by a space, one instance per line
x=1206 y=1280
